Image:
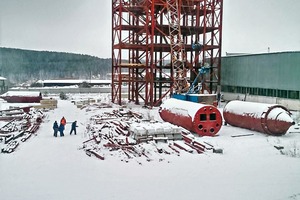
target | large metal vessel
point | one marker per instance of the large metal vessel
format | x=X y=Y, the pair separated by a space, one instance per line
x=271 y=119
x=205 y=120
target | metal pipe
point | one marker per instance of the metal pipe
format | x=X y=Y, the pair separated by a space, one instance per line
x=205 y=120
x=272 y=119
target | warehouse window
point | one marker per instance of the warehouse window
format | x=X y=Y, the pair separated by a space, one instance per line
x=224 y=88
x=293 y=94
x=240 y=90
x=244 y=90
x=232 y=89
x=282 y=93
x=278 y=94
x=250 y=90
x=270 y=92
x=264 y=92
x=255 y=91
x=285 y=93
x=260 y=92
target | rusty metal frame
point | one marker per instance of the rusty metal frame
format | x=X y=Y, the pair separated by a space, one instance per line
x=141 y=53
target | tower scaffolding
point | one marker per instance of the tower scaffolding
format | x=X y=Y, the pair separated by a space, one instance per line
x=142 y=65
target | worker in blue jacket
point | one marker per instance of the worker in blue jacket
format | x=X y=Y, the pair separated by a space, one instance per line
x=61 y=129
x=55 y=128
x=73 y=127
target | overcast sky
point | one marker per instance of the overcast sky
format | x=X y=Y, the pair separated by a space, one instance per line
x=84 y=26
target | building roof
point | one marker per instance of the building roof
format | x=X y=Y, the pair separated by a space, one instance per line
x=256 y=54
x=22 y=93
x=74 y=81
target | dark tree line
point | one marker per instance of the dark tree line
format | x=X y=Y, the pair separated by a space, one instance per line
x=20 y=66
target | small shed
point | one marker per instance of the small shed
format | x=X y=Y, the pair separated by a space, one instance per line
x=22 y=96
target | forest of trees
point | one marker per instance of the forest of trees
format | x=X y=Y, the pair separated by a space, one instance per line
x=20 y=66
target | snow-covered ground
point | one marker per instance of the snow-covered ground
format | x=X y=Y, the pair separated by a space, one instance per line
x=48 y=168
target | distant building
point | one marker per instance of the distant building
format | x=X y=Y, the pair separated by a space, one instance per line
x=22 y=96
x=268 y=77
x=69 y=82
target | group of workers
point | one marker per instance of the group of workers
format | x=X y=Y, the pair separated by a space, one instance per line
x=61 y=127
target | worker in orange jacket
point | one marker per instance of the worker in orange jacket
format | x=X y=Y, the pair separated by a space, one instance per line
x=62 y=125
x=63 y=121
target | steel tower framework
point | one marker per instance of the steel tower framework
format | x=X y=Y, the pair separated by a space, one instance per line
x=146 y=44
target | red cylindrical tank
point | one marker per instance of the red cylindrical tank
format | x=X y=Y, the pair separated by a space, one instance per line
x=205 y=120
x=272 y=119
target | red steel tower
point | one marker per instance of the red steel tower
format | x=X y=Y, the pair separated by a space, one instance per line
x=160 y=46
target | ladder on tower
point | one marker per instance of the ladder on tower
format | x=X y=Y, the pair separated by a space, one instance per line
x=180 y=82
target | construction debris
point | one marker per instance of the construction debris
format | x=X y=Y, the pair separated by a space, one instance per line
x=22 y=124
x=131 y=136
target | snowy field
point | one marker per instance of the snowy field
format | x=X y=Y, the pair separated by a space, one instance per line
x=250 y=167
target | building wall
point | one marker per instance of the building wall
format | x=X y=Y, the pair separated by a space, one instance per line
x=292 y=104
x=54 y=90
x=272 y=75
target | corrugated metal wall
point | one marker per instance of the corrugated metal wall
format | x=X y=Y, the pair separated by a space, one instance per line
x=280 y=71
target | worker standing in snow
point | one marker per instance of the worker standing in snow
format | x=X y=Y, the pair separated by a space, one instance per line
x=61 y=129
x=73 y=127
x=63 y=121
x=55 y=128
x=62 y=125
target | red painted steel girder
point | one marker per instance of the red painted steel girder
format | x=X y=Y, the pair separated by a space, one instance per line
x=140 y=36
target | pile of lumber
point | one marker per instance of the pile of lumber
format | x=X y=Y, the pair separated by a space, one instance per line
x=47 y=104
